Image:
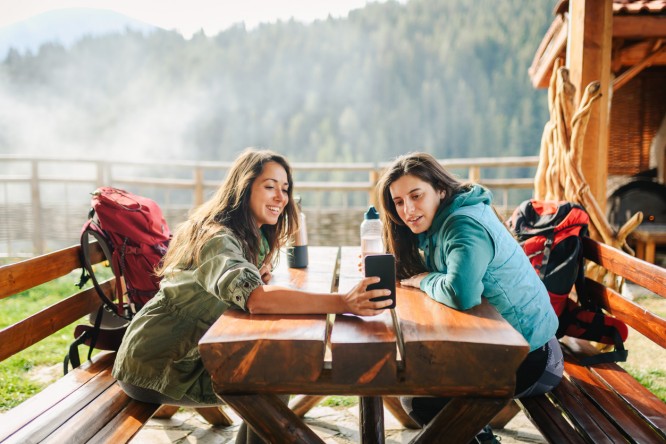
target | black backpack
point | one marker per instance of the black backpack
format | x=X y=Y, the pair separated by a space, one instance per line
x=551 y=233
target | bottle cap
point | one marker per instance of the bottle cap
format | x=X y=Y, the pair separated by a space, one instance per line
x=371 y=213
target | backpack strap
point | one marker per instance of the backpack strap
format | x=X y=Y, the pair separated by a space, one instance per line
x=92 y=229
x=547 y=248
x=618 y=355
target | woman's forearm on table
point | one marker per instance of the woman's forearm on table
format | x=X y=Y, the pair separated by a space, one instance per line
x=267 y=299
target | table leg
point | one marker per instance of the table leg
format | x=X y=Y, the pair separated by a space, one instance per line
x=271 y=419
x=371 y=419
x=392 y=404
x=304 y=403
x=460 y=420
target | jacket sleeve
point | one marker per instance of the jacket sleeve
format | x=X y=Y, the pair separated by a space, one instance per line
x=466 y=249
x=225 y=273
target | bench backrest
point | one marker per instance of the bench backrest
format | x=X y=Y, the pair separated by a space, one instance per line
x=644 y=274
x=30 y=273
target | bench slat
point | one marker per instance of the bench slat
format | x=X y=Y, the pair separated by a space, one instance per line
x=609 y=403
x=583 y=413
x=642 y=401
x=31 y=408
x=642 y=273
x=549 y=420
x=126 y=424
x=46 y=423
x=641 y=320
x=29 y=331
x=21 y=276
x=91 y=418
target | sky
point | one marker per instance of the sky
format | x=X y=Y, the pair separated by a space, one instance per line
x=190 y=16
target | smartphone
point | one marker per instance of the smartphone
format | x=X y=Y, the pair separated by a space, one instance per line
x=382 y=265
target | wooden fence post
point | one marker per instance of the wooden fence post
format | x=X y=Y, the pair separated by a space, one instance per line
x=37 y=233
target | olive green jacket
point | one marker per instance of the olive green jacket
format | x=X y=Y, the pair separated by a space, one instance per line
x=159 y=350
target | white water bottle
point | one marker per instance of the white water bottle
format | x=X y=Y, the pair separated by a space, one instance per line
x=371 y=233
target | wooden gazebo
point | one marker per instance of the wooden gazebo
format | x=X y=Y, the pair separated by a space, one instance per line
x=621 y=44
x=608 y=117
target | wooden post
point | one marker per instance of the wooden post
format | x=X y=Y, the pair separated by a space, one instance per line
x=198 y=186
x=374 y=178
x=658 y=151
x=588 y=59
x=474 y=174
x=35 y=197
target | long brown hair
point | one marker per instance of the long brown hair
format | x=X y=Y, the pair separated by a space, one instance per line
x=230 y=208
x=398 y=238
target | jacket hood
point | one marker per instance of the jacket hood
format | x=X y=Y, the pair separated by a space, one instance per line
x=475 y=195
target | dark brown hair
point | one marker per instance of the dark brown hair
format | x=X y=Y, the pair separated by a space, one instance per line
x=230 y=208
x=398 y=238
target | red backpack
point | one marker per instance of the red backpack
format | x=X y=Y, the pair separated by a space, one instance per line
x=134 y=236
x=551 y=233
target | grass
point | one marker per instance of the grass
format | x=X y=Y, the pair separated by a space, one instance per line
x=645 y=360
x=29 y=371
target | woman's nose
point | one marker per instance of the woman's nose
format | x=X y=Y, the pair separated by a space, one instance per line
x=408 y=207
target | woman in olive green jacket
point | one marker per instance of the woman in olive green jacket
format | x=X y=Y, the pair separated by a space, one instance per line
x=221 y=258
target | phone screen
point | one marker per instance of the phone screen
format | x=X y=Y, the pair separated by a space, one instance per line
x=382 y=265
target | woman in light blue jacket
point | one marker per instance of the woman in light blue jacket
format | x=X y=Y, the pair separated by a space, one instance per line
x=449 y=242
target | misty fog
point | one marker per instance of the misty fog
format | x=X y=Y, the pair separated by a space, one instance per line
x=445 y=77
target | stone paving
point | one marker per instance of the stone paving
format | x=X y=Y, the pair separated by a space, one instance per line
x=334 y=425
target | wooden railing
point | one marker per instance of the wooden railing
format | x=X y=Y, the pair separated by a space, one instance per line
x=44 y=201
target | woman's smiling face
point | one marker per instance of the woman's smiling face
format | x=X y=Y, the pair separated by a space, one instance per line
x=269 y=194
x=416 y=202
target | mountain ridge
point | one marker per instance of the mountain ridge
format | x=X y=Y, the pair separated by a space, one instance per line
x=65 y=26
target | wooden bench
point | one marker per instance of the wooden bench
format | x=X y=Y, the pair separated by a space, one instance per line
x=87 y=404
x=603 y=403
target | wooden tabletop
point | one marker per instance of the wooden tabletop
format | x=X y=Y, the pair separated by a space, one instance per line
x=420 y=348
x=429 y=349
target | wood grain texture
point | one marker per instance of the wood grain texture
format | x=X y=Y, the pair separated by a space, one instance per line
x=371 y=419
x=582 y=412
x=318 y=277
x=460 y=420
x=642 y=320
x=364 y=350
x=302 y=404
x=21 y=415
x=263 y=349
x=609 y=405
x=271 y=419
x=82 y=426
x=549 y=420
x=33 y=329
x=641 y=400
x=637 y=271
x=48 y=421
x=125 y=424
x=470 y=350
x=21 y=276
x=215 y=416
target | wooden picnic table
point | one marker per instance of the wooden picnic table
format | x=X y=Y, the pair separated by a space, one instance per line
x=420 y=348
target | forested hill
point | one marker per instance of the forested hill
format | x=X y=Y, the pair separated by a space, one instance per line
x=444 y=76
